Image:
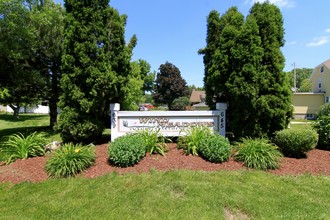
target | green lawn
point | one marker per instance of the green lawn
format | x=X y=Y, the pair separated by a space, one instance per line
x=162 y=195
x=171 y=195
x=26 y=123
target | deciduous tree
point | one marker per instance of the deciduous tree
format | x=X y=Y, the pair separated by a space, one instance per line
x=20 y=82
x=169 y=84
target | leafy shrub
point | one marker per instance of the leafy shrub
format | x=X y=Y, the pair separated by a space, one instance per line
x=215 y=148
x=70 y=160
x=324 y=110
x=192 y=138
x=127 y=150
x=322 y=126
x=180 y=103
x=18 y=146
x=76 y=127
x=258 y=154
x=154 y=141
x=296 y=142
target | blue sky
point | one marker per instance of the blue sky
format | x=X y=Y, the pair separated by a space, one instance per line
x=174 y=30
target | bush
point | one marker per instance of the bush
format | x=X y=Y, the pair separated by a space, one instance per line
x=322 y=126
x=70 y=160
x=78 y=128
x=192 y=138
x=154 y=141
x=324 y=110
x=180 y=103
x=215 y=148
x=258 y=154
x=18 y=146
x=296 y=142
x=126 y=150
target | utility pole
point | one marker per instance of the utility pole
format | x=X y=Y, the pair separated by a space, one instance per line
x=294 y=78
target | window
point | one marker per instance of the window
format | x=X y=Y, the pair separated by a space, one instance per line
x=322 y=69
x=327 y=99
x=319 y=84
x=310 y=116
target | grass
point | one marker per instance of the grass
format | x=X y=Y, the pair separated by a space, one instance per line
x=301 y=126
x=26 y=123
x=162 y=195
x=170 y=195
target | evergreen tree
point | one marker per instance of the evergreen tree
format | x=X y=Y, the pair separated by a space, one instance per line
x=169 y=85
x=211 y=69
x=244 y=68
x=95 y=68
x=274 y=102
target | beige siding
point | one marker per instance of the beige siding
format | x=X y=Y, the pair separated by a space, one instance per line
x=321 y=74
x=307 y=103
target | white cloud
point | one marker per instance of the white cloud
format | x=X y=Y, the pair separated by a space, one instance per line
x=292 y=42
x=327 y=30
x=319 y=41
x=279 y=3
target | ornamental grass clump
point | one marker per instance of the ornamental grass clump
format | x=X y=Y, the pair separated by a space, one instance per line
x=215 y=148
x=192 y=138
x=258 y=154
x=296 y=142
x=127 y=150
x=70 y=160
x=19 y=146
x=154 y=141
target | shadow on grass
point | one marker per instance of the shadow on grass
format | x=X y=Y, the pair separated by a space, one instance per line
x=27 y=130
x=21 y=117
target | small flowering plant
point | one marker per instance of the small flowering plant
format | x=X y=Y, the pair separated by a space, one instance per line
x=70 y=160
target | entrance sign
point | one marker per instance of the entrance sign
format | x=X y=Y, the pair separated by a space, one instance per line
x=169 y=123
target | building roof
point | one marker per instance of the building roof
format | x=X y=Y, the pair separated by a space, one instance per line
x=325 y=63
x=197 y=96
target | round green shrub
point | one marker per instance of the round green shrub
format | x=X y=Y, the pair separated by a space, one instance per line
x=215 y=149
x=258 y=154
x=76 y=127
x=180 y=103
x=70 y=160
x=322 y=126
x=126 y=150
x=296 y=142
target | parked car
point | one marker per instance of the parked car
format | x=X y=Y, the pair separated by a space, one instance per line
x=143 y=108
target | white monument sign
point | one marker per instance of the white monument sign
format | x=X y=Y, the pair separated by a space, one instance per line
x=169 y=123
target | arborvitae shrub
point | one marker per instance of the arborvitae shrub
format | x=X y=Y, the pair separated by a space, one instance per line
x=126 y=150
x=215 y=148
x=296 y=142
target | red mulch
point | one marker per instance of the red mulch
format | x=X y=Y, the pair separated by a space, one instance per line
x=33 y=169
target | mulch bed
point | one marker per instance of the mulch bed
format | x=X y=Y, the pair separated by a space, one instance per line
x=33 y=169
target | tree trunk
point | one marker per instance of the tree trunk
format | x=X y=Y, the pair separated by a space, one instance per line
x=15 y=109
x=54 y=96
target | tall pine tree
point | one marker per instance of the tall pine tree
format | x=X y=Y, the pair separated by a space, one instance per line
x=240 y=70
x=95 y=66
x=274 y=102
